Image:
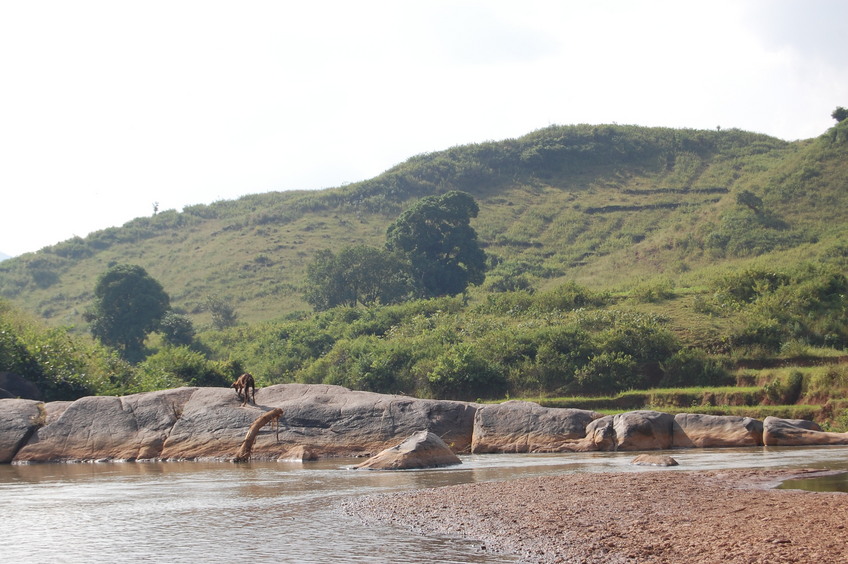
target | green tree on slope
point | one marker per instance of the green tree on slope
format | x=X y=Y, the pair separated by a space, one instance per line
x=128 y=304
x=436 y=236
x=356 y=275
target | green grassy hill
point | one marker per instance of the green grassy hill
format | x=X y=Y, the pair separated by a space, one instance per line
x=606 y=206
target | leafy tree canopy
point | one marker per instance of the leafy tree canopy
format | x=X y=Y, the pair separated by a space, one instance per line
x=177 y=329
x=223 y=313
x=839 y=114
x=128 y=304
x=357 y=275
x=442 y=248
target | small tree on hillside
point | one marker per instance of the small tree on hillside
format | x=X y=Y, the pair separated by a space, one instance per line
x=223 y=313
x=839 y=114
x=750 y=200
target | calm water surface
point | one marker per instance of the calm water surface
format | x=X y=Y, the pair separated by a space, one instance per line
x=277 y=512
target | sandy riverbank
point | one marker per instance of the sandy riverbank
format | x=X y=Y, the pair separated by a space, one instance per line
x=665 y=516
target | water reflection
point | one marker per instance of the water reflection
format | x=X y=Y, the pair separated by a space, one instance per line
x=835 y=483
x=281 y=512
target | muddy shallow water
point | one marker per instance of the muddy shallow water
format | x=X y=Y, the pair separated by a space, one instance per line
x=279 y=512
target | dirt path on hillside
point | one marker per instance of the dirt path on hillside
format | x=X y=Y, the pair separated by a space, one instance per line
x=665 y=516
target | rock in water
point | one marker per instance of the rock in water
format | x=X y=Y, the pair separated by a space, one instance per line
x=424 y=449
x=19 y=418
x=523 y=426
x=791 y=432
x=696 y=430
x=654 y=460
x=633 y=430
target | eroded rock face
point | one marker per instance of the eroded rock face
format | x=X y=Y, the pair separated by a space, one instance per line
x=703 y=431
x=790 y=432
x=643 y=430
x=106 y=427
x=520 y=426
x=321 y=421
x=19 y=418
x=634 y=430
x=424 y=449
x=211 y=423
x=331 y=420
x=600 y=435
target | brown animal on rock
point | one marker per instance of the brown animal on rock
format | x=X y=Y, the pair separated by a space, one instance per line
x=245 y=382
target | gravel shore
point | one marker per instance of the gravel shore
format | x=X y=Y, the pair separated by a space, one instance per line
x=731 y=516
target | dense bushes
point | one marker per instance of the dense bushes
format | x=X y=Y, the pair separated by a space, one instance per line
x=62 y=365
x=562 y=341
x=516 y=343
x=66 y=366
x=172 y=367
x=566 y=340
x=805 y=304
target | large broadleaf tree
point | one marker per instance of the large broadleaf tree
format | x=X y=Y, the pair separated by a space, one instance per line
x=436 y=237
x=128 y=304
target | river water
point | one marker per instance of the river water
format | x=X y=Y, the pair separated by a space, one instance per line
x=278 y=511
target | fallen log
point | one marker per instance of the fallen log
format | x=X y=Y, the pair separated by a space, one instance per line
x=243 y=454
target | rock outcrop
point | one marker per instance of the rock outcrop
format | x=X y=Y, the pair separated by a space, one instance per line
x=19 y=418
x=703 y=431
x=634 y=430
x=327 y=420
x=520 y=426
x=108 y=428
x=789 y=432
x=320 y=421
x=210 y=423
x=424 y=449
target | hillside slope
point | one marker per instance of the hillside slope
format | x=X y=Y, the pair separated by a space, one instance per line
x=603 y=205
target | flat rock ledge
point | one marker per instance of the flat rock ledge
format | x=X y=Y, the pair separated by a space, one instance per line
x=320 y=421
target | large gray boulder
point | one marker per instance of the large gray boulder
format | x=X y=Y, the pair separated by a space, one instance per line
x=19 y=418
x=697 y=430
x=643 y=430
x=633 y=430
x=326 y=420
x=790 y=432
x=520 y=426
x=423 y=449
x=107 y=428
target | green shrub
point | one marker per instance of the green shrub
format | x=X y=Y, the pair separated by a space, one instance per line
x=608 y=373
x=653 y=291
x=172 y=367
x=785 y=391
x=760 y=334
x=461 y=373
x=693 y=367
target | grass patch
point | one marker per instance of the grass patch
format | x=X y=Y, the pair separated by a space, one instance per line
x=662 y=398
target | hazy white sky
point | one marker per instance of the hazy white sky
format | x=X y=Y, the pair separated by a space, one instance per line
x=107 y=107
